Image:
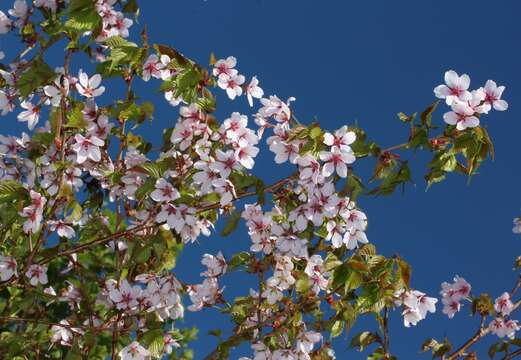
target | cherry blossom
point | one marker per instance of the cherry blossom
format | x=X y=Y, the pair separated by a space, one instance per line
x=253 y=90
x=62 y=228
x=225 y=163
x=225 y=189
x=336 y=161
x=502 y=328
x=155 y=67
x=125 y=296
x=37 y=274
x=87 y=148
x=164 y=191
x=232 y=84
x=276 y=108
x=5 y=23
x=64 y=334
x=33 y=213
x=503 y=304
x=216 y=265
x=48 y=4
x=225 y=66
x=341 y=139
x=7 y=268
x=31 y=115
x=134 y=351
x=462 y=115
x=493 y=96
x=19 y=10
x=517 y=226
x=204 y=294
x=456 y=88
x=55 y=91
x=415 y=304
x=89 y=87
x=452 y=294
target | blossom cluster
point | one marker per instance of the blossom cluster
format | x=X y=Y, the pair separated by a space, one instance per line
x=208 y=292
x=467 y=106
x=452 y=295
x=73 y=188
x=416 y=305
x=304 y=344
x=503 y=326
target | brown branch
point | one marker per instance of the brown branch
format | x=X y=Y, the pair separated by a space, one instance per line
x=149 y=226
x=512 y=355
x=386 y=334
x=482 y=331
x=270 y=189
x=37 y=321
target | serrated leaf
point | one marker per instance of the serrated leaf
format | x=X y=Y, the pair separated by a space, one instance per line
x=231 y=224
x=38 y=74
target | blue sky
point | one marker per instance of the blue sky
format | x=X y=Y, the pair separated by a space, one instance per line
x=363 y=62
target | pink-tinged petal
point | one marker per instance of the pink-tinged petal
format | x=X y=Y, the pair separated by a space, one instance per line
x=329 y=139
x=348 y=158
x=441 y=91
x=325 y=156
x=231 y=93
x=328 y=169
x=81 y=157
x=239 y=79
x=464 y=82
x=472 y=122
x=98 y=91
x=84 y=79
x=500 y=105
x=451 y=78
x=95 y=81
x=341 y=170
x=248 y=162
x=231 y=61
x=97 y=141
x=79 y=88
x=499 y=91
x=461 y=126
x=490 y=86
x=465 y=96
x=95 y=154
x=350 y=137
x=450 y=118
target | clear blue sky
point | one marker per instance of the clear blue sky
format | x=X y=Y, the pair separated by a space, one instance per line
x=365 y=61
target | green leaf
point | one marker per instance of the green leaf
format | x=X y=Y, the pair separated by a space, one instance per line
x=75 y=119
x=315 y=132
x=405 y=272
x=11 y=190
x=233 y=221
x=407 y=118
x=363 y=339
x=336 y=328
x=426 y=115
x=241 y=259
x=38 y=74
x=83 y=17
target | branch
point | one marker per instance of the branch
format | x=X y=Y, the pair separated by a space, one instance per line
x=270 y=189
x=386 y=333
x=149 y=226
x=482 y=331
x=512 y=355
